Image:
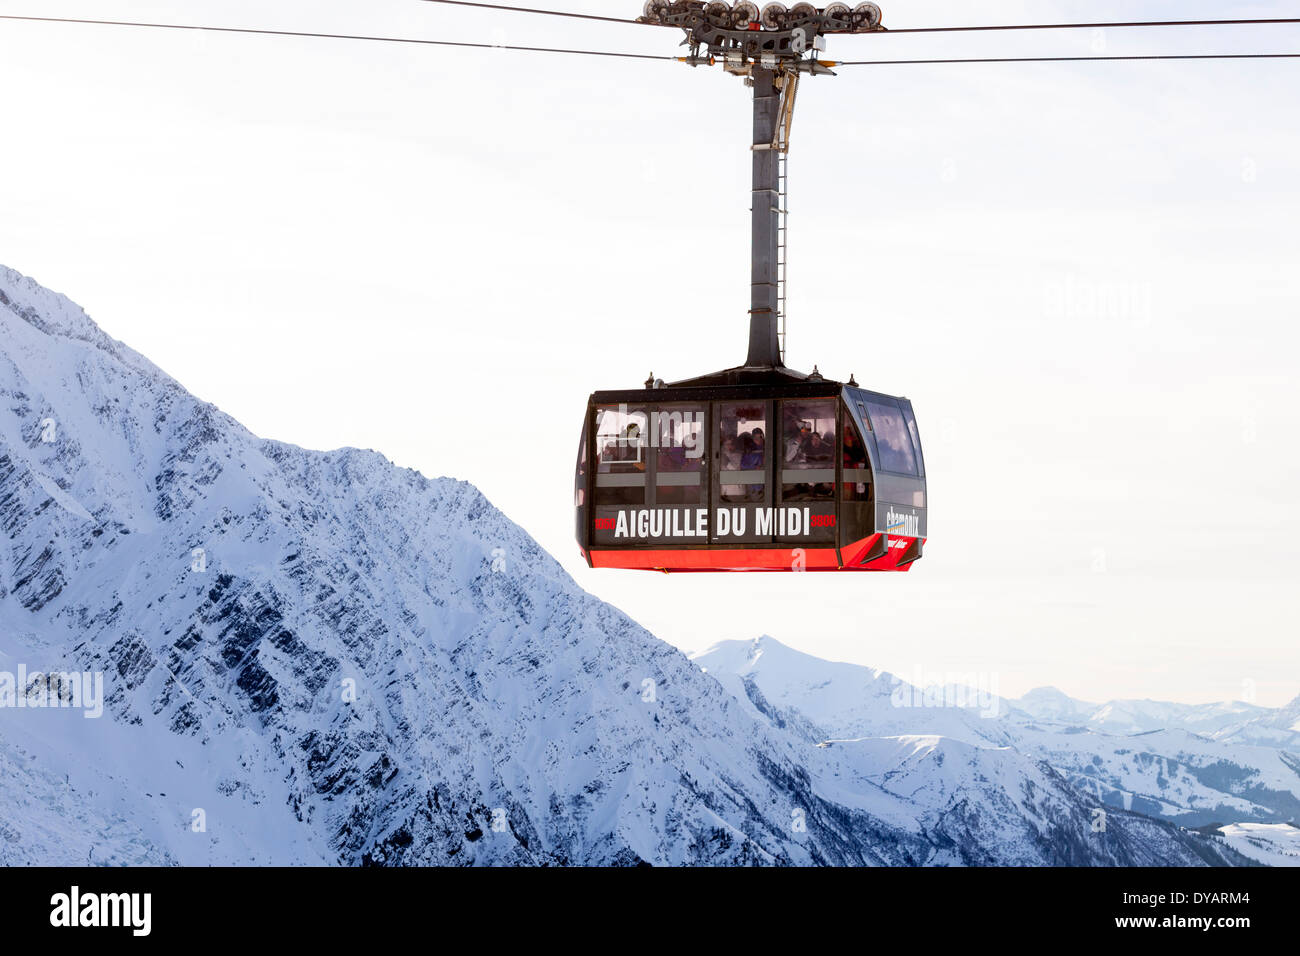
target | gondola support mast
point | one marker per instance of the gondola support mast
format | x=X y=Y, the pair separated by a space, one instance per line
x=771 y=48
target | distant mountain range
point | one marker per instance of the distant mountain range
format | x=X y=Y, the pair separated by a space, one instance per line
x=1192 y=765
x=1234 y=721
x=320 y=658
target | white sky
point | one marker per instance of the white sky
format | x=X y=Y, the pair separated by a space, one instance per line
x=1083 y=275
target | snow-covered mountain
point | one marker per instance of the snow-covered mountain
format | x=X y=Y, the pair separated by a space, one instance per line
x=1195 y=764
x=1173 y=774
x=1230 y=720
x=1048 y=703
x=321 y=658
x=1272 y=844
x=1278 y=728
x=822 y=699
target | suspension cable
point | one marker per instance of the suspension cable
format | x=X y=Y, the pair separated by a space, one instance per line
x=336 y=36
x=1070 y=59
x=1095 y=26
x=1119 y=24
x=549 y=13
x=650 y=56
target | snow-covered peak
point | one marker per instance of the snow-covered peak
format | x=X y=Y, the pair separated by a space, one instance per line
x=57 y=316
x=1049 y=703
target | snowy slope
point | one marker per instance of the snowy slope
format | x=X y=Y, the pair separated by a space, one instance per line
x=1174 y=774
x=992 y=805
x=824 y=699
x=1279 y=728
x=1273 y=844
x=321 y=658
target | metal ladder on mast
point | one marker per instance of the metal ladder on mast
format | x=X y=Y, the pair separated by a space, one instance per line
x=790 y=89
x=782 y=245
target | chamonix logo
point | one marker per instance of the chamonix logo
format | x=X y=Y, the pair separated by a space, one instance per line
x=903 y=523
x=75 y=909
x=83 y=691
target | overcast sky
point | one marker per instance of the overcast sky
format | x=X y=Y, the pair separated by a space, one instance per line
x=1083 y=275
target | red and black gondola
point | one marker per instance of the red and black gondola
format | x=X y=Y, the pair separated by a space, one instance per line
x=753 y=470
x=756 y=468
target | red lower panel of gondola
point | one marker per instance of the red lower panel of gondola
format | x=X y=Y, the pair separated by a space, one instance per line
x=865 y=555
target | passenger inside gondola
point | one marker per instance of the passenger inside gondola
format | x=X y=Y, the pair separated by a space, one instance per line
x=796 y=445
x=819 y=453
x=680 y=460
x=672 y=460
x=809 y=451
x=856 y=467
x=623 y=456
x=755 y=459
x=624 y=452
x=733 y=459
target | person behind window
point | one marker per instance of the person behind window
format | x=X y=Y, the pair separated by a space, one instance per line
x=855 y=459
x=818 y=450
x=854 y=454
x=797 y=446
x=626 y=451
x=818 y=453
x=796 y=456
x=755 y=459
x=733 y=457
x=789 y=428
x=624 y=455
x=673 y=458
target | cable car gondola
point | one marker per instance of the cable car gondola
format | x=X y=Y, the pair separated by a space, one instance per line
x=759 y=467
